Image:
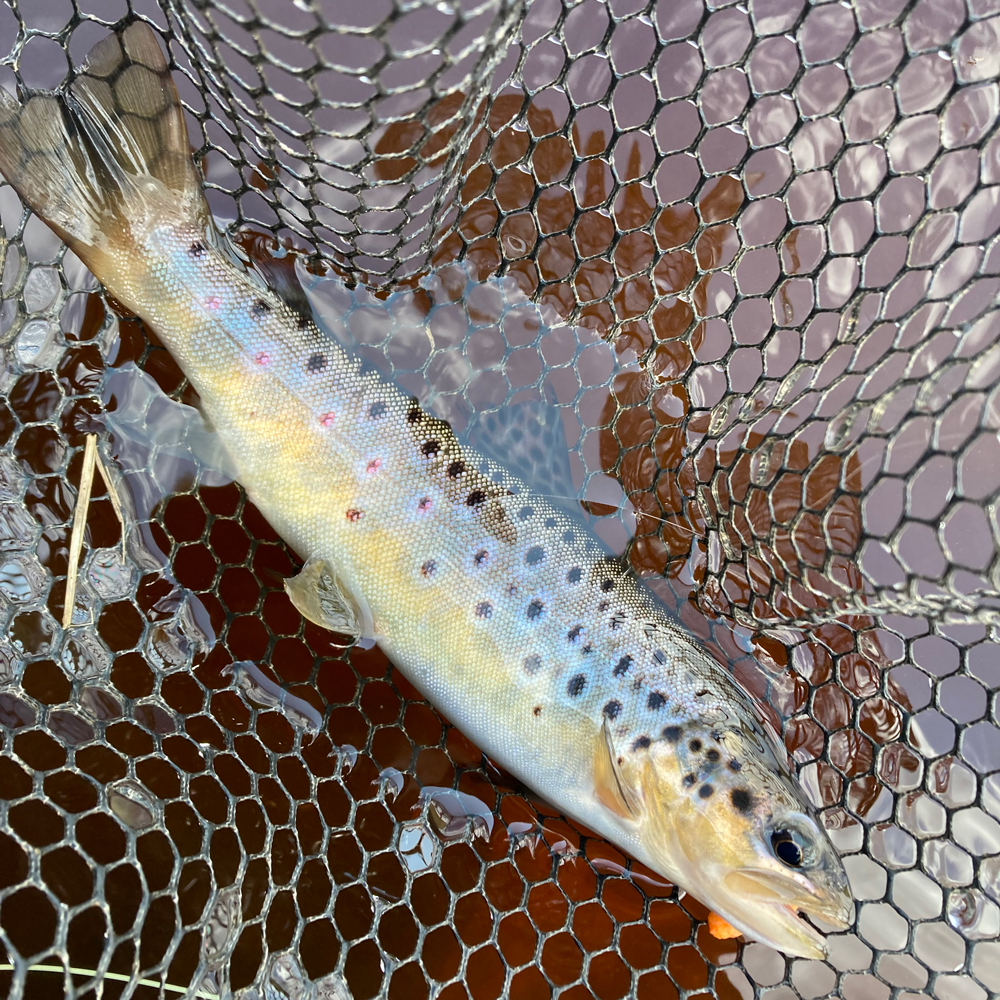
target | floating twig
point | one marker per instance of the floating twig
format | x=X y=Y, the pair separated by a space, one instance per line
x=79 y=522
x=112 y=496
x=91 y=461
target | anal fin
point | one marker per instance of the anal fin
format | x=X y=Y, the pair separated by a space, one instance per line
x=144 y=414
x=319 y=596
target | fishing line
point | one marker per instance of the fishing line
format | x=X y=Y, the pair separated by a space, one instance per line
x=118 y=977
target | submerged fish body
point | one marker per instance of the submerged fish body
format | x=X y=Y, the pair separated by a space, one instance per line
x=502 y=608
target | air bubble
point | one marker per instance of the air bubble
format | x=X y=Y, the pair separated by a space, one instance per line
x=846 y=427
x=417 y=847
x=132 y=804
x=453 y=812
x=760 y=465
x=260 y=690
x=391 y=782
x=222 y=928
x=974 y=916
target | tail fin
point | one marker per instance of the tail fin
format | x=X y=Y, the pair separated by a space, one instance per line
x=108 y=155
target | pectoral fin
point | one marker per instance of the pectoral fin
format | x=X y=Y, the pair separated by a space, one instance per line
x=610 y=785
x=319 y=595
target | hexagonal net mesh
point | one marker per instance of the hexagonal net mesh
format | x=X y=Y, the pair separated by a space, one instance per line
x=779 y=225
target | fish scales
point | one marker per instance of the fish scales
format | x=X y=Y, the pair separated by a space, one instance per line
x=502 y=608
x=512 y=589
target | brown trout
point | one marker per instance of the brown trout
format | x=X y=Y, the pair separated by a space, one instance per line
x=501 y=607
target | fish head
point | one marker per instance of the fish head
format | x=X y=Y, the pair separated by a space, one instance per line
x=724 y=817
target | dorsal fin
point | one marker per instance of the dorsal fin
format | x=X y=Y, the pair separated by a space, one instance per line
x=527 y=439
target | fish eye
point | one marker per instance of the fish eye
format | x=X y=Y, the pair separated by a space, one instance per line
x=787 y=848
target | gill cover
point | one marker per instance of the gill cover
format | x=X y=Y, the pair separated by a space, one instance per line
x=742 y=840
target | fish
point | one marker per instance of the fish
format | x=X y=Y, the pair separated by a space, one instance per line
x=500 y=606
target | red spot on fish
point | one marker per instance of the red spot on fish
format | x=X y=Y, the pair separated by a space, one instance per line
x=374 y=465
x=213 y=302
x=355 y=515
x=425 y=504
x=327 y=419
x=263 y=358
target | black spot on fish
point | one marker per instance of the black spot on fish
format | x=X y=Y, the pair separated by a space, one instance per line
x=456 y=469
x=532 y=664
x=480 y=557
x=537 y=710
x=534 y=555
x=484 y=609
x=695 y=746
x=603 y=606
x=659 y=656
x=741 y=799
x=525 y=512
x=641 y=743
x=576 y=685
x=701 y=693
x=612 y=709
x=672 y=733
x=712 y=755
x=302 y=321
x=316 y=362
x=688 y=780
x=429 y=568
x=197 y=249
x=430 y=448
x=475 y=498
x=735 y=765
x=574 y=575
x=706 y=791
x=621 y=667
x=260 y=308
x=655 y=701
x=376 y=410
x=414 y=416
x=616 y=621
x=569 y=537
x=587 y=649
x=607 y=585
x=574 y=633
x=535 y=609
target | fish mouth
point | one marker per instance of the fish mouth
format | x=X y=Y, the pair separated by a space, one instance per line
x=779 y=912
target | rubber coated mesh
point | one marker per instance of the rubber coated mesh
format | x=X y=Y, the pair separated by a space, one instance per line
x=781 y=218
